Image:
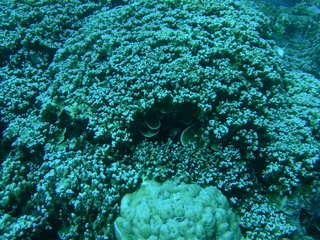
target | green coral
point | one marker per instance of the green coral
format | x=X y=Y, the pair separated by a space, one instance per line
x=176 y=211
x=269 y=223
x=81 y=81
x=292 y=157
x=195 y=53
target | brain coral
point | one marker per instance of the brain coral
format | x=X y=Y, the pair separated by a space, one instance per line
x=176 y=211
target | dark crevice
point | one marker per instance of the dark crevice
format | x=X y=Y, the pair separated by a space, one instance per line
x=173 y=118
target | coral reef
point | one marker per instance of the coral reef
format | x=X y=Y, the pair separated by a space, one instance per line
x=98 y=97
